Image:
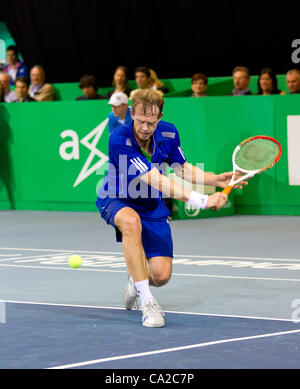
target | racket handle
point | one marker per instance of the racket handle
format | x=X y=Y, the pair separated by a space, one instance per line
x=227 y=190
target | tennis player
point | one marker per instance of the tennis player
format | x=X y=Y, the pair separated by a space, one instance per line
x=131 y=198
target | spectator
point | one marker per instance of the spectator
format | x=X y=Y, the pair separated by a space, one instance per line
x=89 y=87
x=1 y=93
x=120 y=82
x=120 y=111
x=293 y=81
x=241 y=79
x=39 y=90
x=157 y=84
x=9 y=95
x=199 y=85
x=143 y=79
x=267 y=83
x=22 y=90
x=15 y=67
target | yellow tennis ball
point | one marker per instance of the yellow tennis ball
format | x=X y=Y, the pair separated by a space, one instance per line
x=75 y=261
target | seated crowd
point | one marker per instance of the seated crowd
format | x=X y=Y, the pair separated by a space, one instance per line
x=31 y=86
x=267 y=83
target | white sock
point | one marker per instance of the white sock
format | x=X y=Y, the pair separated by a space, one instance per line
x=143 y=290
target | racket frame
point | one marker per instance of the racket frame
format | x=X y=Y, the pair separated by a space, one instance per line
x=249 y=173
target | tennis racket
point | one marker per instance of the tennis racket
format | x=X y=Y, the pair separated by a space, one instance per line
x=253 y=156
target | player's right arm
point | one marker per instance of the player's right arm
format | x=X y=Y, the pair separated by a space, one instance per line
x=174 y=190
x=144 y=171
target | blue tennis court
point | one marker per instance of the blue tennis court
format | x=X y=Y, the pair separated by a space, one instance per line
x=229 y=305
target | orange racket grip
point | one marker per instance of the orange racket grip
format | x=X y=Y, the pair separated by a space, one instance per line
x=227 y=190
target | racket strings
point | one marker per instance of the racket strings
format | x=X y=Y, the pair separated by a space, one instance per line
x=256 y=154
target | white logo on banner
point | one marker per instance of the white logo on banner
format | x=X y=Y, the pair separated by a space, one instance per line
x=191 y=211
x=73 y=145
x=293 y=136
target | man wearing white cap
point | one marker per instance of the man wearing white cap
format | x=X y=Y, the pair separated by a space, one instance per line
x=120 y=111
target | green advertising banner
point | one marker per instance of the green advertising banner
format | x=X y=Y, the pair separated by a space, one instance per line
x=50 y=153
x=54 y=151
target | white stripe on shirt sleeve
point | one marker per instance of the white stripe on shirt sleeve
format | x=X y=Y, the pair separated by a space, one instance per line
x=138 y=162
x=138 y=165
x=181 y=152
x=142 y=163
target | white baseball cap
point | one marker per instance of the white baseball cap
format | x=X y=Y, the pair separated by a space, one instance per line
x=118 y=98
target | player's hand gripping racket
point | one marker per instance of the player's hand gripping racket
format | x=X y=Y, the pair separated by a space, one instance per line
x=253 y=156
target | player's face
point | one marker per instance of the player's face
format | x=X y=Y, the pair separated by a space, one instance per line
x=293 y=82
x=240 y=80
x=145 y=123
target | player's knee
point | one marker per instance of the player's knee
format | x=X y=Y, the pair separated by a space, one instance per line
x=131 y=224
x=160 y=279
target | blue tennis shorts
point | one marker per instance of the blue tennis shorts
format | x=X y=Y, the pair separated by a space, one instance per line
x=156 y=233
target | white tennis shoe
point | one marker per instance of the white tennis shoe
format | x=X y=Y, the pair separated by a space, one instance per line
x=153 y=315
x=130 y=296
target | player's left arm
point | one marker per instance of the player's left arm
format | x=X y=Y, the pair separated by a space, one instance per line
x=194 y=174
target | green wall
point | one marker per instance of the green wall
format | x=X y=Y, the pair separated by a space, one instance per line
x=35 y=173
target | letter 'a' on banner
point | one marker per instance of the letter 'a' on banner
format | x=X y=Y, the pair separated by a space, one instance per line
x=2 y=312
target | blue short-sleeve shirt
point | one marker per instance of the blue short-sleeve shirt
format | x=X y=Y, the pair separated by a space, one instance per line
x=114 y=121
x=127 y=162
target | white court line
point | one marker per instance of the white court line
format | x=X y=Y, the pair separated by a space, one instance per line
x=63 y=268
x=236 y=277
x=41 y=257
x=176 y=255
x=20 y=258
x=123 y=309
x=10 y=255
x=174 y=274
x=167 y=350
x=58 y=250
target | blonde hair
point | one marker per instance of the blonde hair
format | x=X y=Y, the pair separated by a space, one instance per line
x=148 y=98
x=241 y=69
x=156 y=80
